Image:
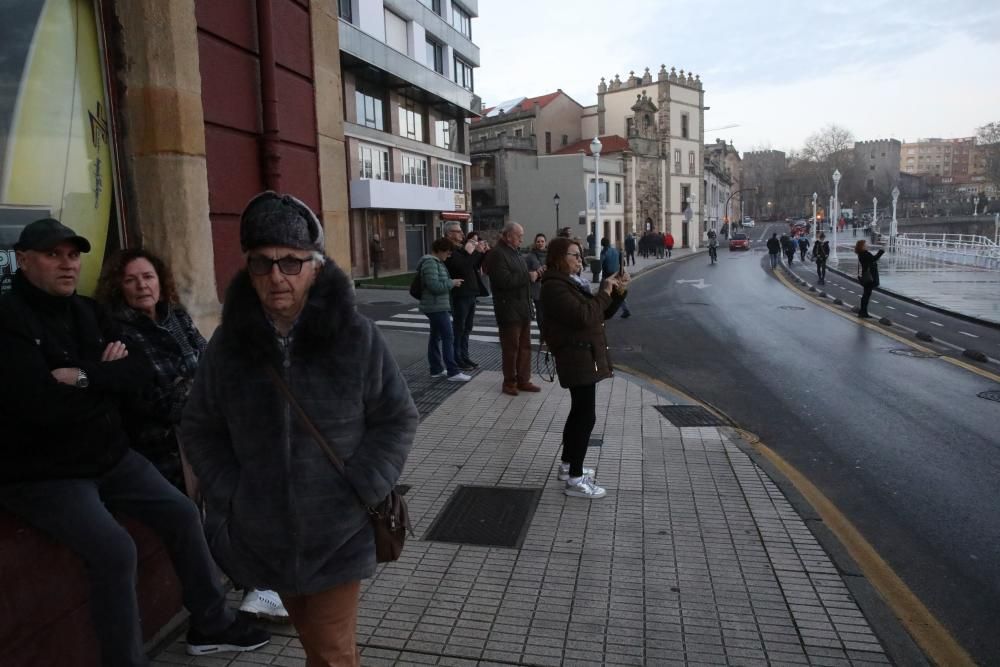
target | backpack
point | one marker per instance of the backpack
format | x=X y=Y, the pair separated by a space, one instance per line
x=417 y=285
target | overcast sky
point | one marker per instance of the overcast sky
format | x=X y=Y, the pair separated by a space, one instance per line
x=779 y=69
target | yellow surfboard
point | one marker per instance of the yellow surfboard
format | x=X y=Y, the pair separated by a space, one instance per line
x=58 y=154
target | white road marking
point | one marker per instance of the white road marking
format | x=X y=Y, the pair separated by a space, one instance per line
x=966 y=333
x=937 y=324
x=700 y=283
x=875 y=301
x=912 y=315
x=891 y=307
x=852 y=291
x=427 y=326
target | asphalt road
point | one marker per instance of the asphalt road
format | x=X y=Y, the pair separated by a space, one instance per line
x=901 y=445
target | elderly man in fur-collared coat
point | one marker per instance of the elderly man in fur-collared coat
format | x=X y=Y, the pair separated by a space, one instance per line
x=280 y=515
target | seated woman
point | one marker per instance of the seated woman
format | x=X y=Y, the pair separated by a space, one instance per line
x=139 y=288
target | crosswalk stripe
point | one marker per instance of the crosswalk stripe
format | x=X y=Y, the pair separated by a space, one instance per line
x=427 y=325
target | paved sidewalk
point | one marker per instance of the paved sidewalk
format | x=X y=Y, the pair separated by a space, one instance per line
x=694 y=557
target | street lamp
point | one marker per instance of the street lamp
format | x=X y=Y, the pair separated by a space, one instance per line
x=835 y=220
x=555 y=200
x=595 y=148
x=878 y=227
x=975 y=204
x=815 y=222
x=893 y=231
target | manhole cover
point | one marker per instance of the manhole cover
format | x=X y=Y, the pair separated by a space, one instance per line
x=917 y=354
x=487 y=516
x=992 y=395
x=791 y=307
x=688 y=415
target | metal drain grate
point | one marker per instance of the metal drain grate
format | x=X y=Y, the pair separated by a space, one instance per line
x=791 y=307
x=917 y=354
x=486 y=516
x=688 y=415
x=992 y=395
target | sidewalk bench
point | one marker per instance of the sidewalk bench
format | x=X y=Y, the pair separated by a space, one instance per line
x=44 y=616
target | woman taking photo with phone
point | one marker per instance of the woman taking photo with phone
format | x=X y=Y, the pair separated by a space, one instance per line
x=574 y=332
x=867 y=274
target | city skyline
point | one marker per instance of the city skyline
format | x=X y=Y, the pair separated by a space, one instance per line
x=778 y=85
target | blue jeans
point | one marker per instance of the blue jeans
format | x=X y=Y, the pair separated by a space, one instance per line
x=464 y=312
x=77 y=513
x=442 y=341
x=774 y=259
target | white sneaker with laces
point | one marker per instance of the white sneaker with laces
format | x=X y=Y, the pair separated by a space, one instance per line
x=584 y=488
x=459 y=377
x=264 y=604
x=564 y=472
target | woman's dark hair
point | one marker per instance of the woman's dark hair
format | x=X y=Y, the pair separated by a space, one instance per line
x=859 y=246
x=558 y=249
x=472 y=235
x=109 y=286
x=442 y=244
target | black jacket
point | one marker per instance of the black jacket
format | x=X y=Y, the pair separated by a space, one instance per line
x=773 y=246
x=466 y=266
x=53 y=430
x=866 y=260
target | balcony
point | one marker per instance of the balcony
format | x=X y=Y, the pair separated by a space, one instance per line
x=372 y=193
x=480 y=183
x=361 y=49
x=487 y=145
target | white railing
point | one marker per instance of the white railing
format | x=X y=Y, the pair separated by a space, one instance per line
x=960 y=248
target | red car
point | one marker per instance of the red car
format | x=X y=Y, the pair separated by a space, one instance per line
x=739 y=241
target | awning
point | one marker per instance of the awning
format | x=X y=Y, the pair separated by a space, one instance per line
x=461 y=216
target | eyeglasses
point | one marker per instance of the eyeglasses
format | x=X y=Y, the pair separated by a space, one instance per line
x=288 y=265
x=572 y=254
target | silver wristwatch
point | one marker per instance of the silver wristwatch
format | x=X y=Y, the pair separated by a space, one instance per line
x=82 y=381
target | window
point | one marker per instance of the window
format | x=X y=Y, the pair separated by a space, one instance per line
x=369 y=110
x=463 y=73
x=691 y=163
x=395 y=31
x=548 y=142
x=565 y=139
x=685 y=125
x=685 y=195
x=618 y=193
x=435 y=56
x=444 y=133
x=344 y=10
x=374 y=162
x=629 y=127
x=677 y=161
x=451 y=176
x=411 y=123
x=519 y=132
x=461 y=21
x=433 y=5
x=414 y=170
x=604 y=193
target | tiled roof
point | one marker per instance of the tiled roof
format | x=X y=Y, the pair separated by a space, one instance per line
x=529 y=103
x=611 y=143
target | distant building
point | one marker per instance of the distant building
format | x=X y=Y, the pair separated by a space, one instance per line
x=762 y=170
x=946 y=158
x=876 y=166
x=729 y=159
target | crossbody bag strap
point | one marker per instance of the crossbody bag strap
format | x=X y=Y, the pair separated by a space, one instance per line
x=313 y=431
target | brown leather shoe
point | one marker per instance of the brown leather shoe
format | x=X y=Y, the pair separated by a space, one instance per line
x=509 y=389
x=527 y=386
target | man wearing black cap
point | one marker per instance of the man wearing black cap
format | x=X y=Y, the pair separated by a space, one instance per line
x=65 y=462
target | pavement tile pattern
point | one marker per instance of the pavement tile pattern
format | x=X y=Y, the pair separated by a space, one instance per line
x=694 y=557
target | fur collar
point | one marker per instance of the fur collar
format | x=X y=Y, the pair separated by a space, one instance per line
x=328 y=314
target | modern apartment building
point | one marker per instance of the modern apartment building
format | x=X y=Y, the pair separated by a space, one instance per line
x=946 y=158
x=408 y=73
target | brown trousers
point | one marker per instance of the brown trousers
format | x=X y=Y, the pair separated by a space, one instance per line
x=327 y=625
x=515 y=349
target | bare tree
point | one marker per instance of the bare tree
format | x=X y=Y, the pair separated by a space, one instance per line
x=824 y=146
x=988 y=141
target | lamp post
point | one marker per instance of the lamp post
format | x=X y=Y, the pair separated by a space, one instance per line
x=975 y=204
x=835 y=220
x=878 y=227
x=893 y=230
x=555 y=200
x=595 y=148
x=815 y=232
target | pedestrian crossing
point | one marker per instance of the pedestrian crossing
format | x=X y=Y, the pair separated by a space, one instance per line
x=484 y=326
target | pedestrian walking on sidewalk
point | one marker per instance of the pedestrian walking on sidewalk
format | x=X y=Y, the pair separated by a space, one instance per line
x=279 y=514
x=774 y=250
x=630 y=249
x=465 y=263
x=820 y=253
x=867 y=274
x=511 y=283
x=788 y=246
x=575 y=335
x=668 y=244
x=803 y=248
x=435 y=304
x=375 y=252
x=535 y=261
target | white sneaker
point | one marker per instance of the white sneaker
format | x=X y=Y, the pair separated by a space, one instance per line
x=585 y=488
x=442 y=374
x=564 y=472
x=264 y=604
x=459 y=377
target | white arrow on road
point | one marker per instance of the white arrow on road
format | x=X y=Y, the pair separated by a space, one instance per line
x=700 y=283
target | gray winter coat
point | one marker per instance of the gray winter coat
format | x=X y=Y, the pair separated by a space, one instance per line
x=279 y=515
x=436 y=295
x=510 y=283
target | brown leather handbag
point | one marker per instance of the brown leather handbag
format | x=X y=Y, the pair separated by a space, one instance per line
x=390 y=519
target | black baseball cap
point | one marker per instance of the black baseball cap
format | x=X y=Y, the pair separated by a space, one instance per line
x=46 y=234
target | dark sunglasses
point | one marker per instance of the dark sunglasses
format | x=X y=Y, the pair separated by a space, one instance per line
x=288 y=265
